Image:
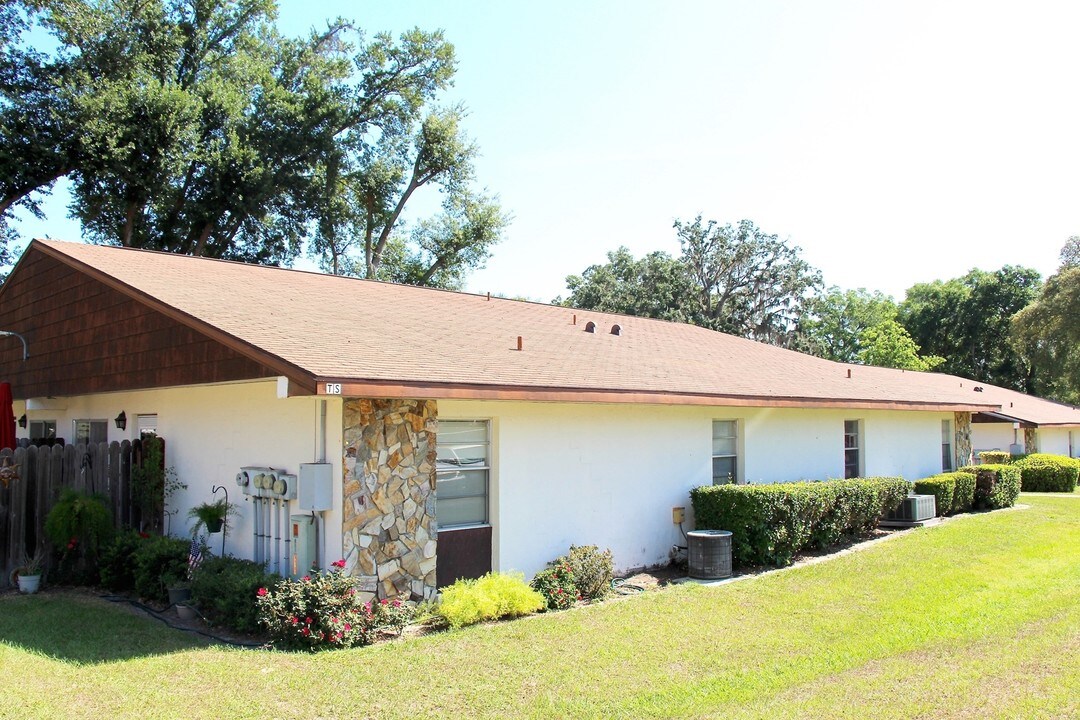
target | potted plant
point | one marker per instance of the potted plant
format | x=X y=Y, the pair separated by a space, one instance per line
x=177 y=586
x=28 y=574
x=212 y=515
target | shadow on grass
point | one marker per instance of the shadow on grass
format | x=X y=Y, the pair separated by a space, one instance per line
x=81 y=628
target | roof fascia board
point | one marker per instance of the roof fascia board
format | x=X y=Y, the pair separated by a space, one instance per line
x=354 y=388
x=304 y=379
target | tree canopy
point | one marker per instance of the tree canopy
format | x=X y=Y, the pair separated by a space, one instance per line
x=736 y=279
x=967 y=321
x=888 y=344
x=196 y=127
x=836 y=320
x=1047 y=332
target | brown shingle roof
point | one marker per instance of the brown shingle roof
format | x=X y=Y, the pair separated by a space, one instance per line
x=377 y=336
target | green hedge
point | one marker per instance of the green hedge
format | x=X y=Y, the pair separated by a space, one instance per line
x=996 y=486
x=224 y=588
x=964 y=494
x=994 y=457
x=1042 y=472
x=954 y=491
x=942 y=487
x=771 y=523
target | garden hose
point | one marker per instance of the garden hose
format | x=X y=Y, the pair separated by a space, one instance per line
x=160 y=616
x=622 y=587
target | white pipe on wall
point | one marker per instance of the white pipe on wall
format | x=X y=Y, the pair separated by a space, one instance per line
x=277 y=535
x=256 y=532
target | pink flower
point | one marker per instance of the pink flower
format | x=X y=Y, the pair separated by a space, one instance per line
x=306 y=578
x=294 y=619
x=261 y=592
x=306 y=631
x=396 y=603
x=383 y=601
x=308 y=621
x=348 y=627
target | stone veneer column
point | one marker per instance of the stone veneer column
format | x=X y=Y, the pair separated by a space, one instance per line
x=1031 y=440
x=962 y=445
x=389 y=491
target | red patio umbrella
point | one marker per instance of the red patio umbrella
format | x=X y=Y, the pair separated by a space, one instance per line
x=7 y=418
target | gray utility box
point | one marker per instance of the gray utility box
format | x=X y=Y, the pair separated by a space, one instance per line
x=315 y=492
x=915 y=508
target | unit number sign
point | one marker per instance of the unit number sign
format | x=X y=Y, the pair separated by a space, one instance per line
x=333 y=388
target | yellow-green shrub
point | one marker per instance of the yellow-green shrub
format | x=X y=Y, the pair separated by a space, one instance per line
x=493 y=596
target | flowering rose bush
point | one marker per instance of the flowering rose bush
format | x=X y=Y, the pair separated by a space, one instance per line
x=557 y=586
x=322 y=610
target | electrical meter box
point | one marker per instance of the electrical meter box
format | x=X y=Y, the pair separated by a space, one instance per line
x=314 y=491
x=304 y=537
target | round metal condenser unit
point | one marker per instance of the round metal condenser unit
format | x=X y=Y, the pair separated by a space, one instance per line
x=709 y=554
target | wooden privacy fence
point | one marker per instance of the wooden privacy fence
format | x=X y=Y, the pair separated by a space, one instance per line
x=39 y=476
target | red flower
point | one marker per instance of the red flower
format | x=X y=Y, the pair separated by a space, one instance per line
x=308 y=621
x=339 y=564
x=396 y=603
x=261 y=592
x=348 y=627
x=294 y=619
x=383 y=601
x=306 y=578
x=144 y=535
x=305 y=631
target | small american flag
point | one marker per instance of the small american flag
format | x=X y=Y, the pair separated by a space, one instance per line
x=194 y=556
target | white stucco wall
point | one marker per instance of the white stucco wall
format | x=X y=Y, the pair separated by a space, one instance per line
x=1058 y=441
x=610 y=474
x=994 y=436
x=211 y=432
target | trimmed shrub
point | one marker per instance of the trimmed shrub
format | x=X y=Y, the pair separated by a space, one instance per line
x=942 y=487
x=556 y=584
x=493 y=596
x=996 y=486
x=964 y=494
x=224 y=590
x=159 y=563
x=592 y=570
x=1042 y=472
x=994 y=457
x=320 y=611
x=770 y=523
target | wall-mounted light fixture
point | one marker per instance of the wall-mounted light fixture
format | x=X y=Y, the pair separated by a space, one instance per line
x=121 y=421
x=22 y=421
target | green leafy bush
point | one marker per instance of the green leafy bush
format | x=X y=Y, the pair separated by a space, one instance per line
x=1042 y=472
x=996 y=486
x=994 y=457
x=79 y=526
x=964 y=494
x=224 y=590
x=942 y=487
x=117 y=563
x=556 y=584
x=592 y=570
x=392 y=615
x=493 y=596
x=320 y=611
x=770 y=523
x=160 y=562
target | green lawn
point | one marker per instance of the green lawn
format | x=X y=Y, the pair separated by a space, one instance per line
x=979 y=617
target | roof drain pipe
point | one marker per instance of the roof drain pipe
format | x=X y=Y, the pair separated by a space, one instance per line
x=277 y=535
x=320 y=457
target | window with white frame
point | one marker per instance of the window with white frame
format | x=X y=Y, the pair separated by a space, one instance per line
x=42 y=429
x=725 y=452
x=946 y=446
x=145 y=425
x=852 y=448
x=462 y=473
x=90 y=431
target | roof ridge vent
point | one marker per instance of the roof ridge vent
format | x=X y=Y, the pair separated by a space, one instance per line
x=590 y=326
x=616 y=330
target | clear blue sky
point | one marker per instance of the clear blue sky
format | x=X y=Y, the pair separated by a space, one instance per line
x=895 y=143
